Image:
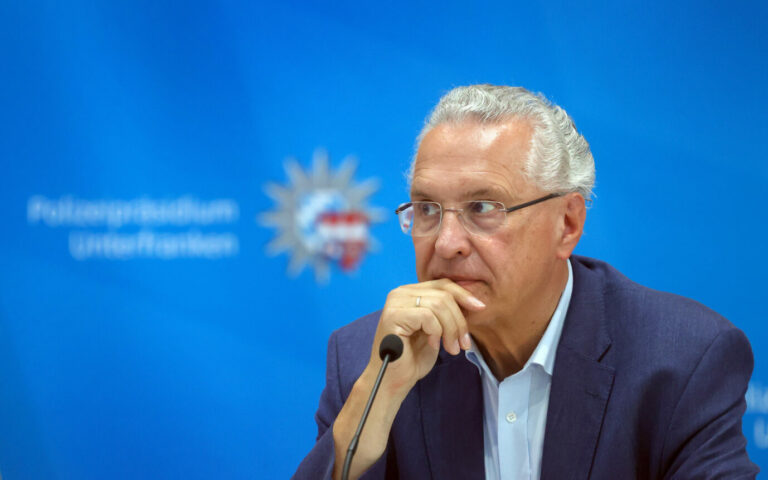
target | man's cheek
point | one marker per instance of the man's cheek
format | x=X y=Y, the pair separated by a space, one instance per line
x=422 y=262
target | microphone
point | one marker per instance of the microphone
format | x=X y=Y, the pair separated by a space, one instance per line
x=390 y=349
x=391 y=345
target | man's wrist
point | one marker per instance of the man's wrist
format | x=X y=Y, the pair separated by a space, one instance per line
x=392 y=390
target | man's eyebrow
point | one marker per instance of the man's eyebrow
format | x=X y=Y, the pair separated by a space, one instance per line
x=418 y=194
x=486 y=192
x=483 y=193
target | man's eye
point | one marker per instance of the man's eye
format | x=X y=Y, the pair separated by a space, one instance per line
x=428 y=209
x=482 y=207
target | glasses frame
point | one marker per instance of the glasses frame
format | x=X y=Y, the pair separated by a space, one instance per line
x=506 y=210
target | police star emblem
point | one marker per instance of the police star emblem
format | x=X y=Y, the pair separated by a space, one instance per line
x=322 y=217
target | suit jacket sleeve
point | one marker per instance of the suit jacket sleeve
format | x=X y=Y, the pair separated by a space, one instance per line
x=319 y=463
x=704 y=438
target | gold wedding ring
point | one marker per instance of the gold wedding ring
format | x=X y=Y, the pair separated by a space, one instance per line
x=418 y=301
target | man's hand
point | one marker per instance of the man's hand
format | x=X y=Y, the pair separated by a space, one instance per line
x=422 y=315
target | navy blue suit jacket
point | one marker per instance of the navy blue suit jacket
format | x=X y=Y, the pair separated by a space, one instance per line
x=645 y=385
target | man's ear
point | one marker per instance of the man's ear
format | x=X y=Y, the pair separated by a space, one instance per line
x=572 y=218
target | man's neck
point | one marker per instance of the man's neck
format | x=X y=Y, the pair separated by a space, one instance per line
x=507 y=345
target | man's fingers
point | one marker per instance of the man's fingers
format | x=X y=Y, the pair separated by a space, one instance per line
x=463 y=328
x=410 y=320
x=433 y=317
x=462 y=296
x=444 y=299
x=450 y=317
x=443 y=306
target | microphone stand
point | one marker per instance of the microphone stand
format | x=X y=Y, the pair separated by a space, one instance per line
x=390 y=350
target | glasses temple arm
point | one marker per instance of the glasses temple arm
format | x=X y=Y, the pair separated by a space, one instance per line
x=533 y=202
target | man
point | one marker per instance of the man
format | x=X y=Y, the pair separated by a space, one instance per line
x=552 y=366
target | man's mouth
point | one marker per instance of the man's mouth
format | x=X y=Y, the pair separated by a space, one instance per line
x=461 y=280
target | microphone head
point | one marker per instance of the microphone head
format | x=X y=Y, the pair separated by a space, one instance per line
x=391 y=345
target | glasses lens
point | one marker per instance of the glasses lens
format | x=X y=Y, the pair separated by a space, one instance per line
x=405 y=216
x=483 y=216
x=426 y=218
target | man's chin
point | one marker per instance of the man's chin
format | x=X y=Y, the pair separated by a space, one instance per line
x=475 y=319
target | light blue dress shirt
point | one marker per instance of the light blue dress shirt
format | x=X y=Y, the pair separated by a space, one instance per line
x=515 y=410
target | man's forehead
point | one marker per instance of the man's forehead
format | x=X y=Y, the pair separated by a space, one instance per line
x=469 y=179
x=474 y=133
x=470 y=145
x=472 y=160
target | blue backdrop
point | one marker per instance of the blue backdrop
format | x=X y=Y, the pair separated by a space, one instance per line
x=149 y=324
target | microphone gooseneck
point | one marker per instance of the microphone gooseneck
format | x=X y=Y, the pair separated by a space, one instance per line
x=390 y=349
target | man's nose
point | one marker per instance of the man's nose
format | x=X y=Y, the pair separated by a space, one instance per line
x=452 y=238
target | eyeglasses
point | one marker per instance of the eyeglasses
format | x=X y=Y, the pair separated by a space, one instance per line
x=479 y=217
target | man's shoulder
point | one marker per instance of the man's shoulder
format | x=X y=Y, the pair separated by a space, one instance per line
x=361 y=329
x=351 y=347
x=635 y=313
x=660 y=356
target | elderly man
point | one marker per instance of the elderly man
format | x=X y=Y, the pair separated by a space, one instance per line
x=522 y=361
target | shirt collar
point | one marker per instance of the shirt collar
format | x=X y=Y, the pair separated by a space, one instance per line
x=544 y=354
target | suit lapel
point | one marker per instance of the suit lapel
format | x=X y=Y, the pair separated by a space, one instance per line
x=452 y=413
x=581 y=385
x=578 y=399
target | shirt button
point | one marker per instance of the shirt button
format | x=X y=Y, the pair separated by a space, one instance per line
x=511 y=417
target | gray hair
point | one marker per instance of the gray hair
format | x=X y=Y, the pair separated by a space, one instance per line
x=559 y=159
